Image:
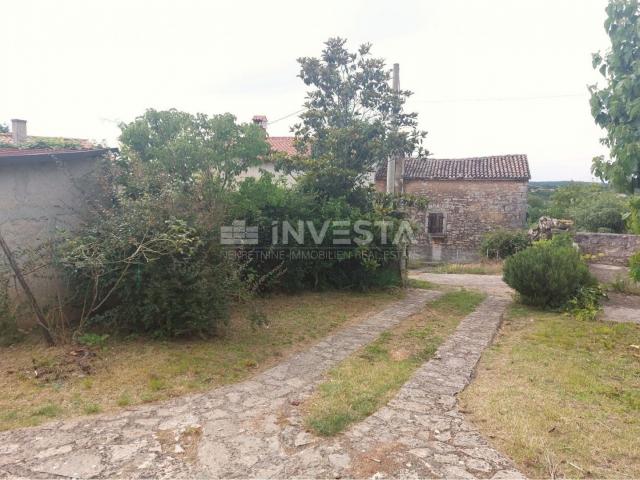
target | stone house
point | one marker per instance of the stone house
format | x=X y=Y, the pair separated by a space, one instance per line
x=468 y=197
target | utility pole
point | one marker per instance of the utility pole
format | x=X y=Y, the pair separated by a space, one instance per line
x=398 y=159
x=392 y=167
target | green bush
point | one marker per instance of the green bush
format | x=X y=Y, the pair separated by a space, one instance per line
x=501 y=244
x=601 y=215
x=548 y=274
x=585 y=304
x=266 y=201
x=634 y=267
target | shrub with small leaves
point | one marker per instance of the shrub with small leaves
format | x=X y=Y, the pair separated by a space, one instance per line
x=549 y=273
x=585 y=305
x=504 y=243
x=634 y=267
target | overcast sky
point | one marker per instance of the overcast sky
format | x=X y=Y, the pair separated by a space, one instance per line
x=489 y=76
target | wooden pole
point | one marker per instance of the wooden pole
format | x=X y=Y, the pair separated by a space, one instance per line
x=34 y=304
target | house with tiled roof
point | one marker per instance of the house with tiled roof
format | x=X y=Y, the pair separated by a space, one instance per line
x=468 y=197
x=278 y=144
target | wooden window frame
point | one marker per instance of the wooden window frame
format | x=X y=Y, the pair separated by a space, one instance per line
x=436 y=226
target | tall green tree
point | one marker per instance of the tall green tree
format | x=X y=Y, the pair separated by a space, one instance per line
x=174 y=146
x=616 y=106
x=353 y=120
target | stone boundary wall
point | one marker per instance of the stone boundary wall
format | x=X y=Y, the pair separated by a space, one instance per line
x=610 y=248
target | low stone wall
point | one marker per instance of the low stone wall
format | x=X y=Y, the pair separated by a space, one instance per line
x=609 y=248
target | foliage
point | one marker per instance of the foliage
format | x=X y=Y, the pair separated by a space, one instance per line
x=44 y=142
x=4 y=128
x=93 y=339
x=616 y=107
x=585 y=305
x=149 y=259
x=634 y=267
x=549 y=273
x=174 y=147
x=593 y=207
x=633 y=216
x=353 y=120
x=310 y=264
x=504 y=243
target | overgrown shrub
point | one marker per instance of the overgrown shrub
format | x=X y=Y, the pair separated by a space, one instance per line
x=501 y=244
x=265 y=202
x=549 y=273
x=137 y=268
x=148 y=258
x=585 y=304
x=634 y=267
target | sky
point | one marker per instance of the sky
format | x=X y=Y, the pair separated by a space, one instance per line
x=489 y=77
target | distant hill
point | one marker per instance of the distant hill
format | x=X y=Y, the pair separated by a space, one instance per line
x=553 y=184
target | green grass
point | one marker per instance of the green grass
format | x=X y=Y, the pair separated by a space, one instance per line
x=561 y=396
x=421 y=284
x=368 y=379
x=130 y=372
x=480 y=268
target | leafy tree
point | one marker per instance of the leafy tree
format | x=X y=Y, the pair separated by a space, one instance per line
x=353 y=120
x=148 y=258
x=616 y=107
x=174 y=146
x=4 y=128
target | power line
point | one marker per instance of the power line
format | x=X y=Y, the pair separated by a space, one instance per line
x=285 y=117
x=500 y=99
x=462 y=100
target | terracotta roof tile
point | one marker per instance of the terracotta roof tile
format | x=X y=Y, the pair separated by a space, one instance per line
x=498 y=167
x=283 y=144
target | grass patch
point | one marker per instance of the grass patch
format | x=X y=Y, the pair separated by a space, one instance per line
x=561 y=396
x=480 y=268
x=421 y=284
x=369 y=378
x=137 y=371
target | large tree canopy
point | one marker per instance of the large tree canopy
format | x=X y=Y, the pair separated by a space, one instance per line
x=353 y=120
x=175 y=145
x=616 y=107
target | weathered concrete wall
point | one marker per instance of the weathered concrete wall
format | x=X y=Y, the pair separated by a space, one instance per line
x=36 y=198
x=471 y=208
x=608 y=248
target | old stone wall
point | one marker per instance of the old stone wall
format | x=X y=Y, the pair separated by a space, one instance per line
x=471 y=208
x=608 y=248
x=36 y=199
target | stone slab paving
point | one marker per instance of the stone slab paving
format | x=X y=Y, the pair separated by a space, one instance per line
x=254 y=428
x=229 y=431
x=420 y=433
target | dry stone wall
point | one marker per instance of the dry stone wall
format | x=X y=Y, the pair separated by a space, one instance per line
x=608 y=248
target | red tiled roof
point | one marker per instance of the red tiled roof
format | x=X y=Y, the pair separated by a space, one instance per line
x=498 y=167
x=283 y=144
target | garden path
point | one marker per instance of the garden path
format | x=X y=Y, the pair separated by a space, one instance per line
x=254 y=428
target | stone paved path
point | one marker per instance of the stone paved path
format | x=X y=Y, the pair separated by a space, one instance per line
x=254 y=428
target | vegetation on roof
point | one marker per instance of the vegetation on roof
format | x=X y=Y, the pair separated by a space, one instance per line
x=44 y=142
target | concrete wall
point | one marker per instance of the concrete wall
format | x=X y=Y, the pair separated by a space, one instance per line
x=608 y=248
x=36 y=198
x=471 y=208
